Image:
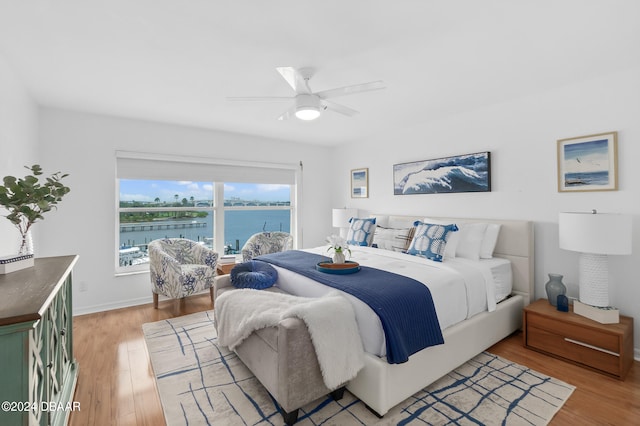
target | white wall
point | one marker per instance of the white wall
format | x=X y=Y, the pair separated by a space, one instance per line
x=522 y=137
x=84 y=146
x=18 y=142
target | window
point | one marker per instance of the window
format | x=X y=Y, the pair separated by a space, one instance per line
x=151 y=209
x=251 y=208
x=219 y=204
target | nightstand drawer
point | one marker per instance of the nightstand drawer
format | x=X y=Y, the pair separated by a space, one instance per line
x=574 y=349
x=607 y=348
x=592 y=337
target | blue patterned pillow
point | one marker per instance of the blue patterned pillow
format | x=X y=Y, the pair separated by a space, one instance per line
x=430 y=240
x=361 y=231
x=253 y=274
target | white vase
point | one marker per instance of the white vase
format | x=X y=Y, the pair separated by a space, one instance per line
x=338 y=257
x=26 y=244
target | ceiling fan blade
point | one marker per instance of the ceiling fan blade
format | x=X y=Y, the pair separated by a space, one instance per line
x=290 y=113
x=332 y=106
x=261 y=99
x=295 y=78
x=350 y=90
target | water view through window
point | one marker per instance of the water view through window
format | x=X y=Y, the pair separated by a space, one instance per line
x=150 y=210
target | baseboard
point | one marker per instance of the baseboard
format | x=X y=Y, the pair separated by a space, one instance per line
x=110 y=306
x=121 y=304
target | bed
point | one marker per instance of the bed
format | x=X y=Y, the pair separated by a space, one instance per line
x=381 y=385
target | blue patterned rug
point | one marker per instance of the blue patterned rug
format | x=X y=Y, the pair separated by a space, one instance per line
x=201 y=383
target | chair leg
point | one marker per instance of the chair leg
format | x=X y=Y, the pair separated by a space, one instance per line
x=337 y=394
x=155 y=300
x=211 y=294
x=289 y=418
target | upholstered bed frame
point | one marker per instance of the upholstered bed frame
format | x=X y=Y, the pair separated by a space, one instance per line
x=381 y=385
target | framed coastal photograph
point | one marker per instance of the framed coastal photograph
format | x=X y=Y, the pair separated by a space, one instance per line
x=360 y=183
x=588 y=163
x=460 y=173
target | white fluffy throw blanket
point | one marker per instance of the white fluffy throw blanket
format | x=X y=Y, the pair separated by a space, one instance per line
x=330 y=319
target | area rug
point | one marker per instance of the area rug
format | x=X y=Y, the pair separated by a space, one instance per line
x=201 y=383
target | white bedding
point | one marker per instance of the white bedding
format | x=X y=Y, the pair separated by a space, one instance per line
x=460 y=288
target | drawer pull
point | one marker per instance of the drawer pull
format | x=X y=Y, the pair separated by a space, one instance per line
x=591 y=347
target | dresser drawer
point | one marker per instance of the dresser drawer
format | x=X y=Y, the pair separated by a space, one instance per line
x=573 y=349
x=601 y=339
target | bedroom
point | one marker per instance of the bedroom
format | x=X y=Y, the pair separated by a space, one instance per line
x=580 y=87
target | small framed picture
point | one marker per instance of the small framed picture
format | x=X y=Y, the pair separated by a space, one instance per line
x=360 y=183
x=588 y=163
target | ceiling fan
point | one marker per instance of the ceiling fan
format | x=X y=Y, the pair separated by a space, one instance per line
x=307 y=104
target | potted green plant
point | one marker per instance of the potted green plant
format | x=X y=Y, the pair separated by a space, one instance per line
x=27 y=199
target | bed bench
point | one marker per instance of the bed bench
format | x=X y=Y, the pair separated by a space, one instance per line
x=284 y=360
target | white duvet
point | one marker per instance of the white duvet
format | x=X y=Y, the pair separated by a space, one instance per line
x=460 y=288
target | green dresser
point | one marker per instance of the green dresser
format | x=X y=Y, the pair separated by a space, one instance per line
x=38 y=372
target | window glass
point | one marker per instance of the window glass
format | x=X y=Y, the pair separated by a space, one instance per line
x=151 y=210
x=251 y=208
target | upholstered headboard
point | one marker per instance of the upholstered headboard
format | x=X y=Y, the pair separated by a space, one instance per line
x=515 y=242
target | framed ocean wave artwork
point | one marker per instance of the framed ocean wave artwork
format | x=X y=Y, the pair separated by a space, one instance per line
x=588 y=163
x=460 y=173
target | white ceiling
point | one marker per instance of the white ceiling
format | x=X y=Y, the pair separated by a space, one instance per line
x=176 y=61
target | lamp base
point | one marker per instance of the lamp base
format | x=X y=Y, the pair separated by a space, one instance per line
x=593 y=279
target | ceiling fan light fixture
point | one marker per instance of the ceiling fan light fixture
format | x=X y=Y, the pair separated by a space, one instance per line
x=307 y=107
x=307 y=114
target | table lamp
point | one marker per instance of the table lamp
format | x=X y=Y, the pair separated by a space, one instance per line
x=595 y=235
x=340 y=219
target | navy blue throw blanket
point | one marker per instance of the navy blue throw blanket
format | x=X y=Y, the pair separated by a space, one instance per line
x=404 y=305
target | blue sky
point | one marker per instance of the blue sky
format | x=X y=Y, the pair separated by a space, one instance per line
x=587 y=157
x=149 y=190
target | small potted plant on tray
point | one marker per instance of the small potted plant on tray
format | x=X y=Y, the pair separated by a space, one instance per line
x=340 y=247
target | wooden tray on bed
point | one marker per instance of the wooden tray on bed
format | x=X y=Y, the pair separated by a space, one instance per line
x=349 y=267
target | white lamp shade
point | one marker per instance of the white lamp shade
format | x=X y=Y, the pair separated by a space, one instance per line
x=598 y=233
x=340 y=217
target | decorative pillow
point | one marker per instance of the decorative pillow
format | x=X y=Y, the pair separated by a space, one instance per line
x=452 y=237
x=392 y=239
x=471 y=235
x=430 y=240
x=382 y=220
x=253 y=274
x=489 y=240
x=361 y=231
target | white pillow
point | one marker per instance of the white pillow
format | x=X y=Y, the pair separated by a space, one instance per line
x=399 y=223
x=471 y=235
x=392 y=239
x=382 y=221
x=489 y=240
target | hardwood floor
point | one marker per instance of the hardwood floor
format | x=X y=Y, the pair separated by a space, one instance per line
x=116 y=384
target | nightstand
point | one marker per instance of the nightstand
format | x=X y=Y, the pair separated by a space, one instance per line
x=606 y=348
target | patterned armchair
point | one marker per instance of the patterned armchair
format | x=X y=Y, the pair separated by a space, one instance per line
x=265 y=243
x=180 y=268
